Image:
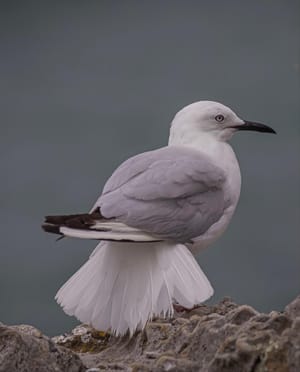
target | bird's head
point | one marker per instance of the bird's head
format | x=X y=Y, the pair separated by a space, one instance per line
x=210 y=119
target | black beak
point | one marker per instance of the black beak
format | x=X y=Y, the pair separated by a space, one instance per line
x=251 y=125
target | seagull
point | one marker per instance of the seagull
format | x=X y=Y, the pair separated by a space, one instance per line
x=157 y=211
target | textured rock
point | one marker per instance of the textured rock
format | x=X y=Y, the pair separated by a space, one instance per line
x=24 y=349
x=221 y=338
x=293 y=309
x=225 y=337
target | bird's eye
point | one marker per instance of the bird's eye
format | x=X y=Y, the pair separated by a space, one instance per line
x=219 y=118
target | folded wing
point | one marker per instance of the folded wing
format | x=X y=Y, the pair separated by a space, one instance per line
x=173 y=193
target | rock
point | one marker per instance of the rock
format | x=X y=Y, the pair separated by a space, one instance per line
x=293 y=309
x=225 y=337
x=221 y=338
x=24 y=349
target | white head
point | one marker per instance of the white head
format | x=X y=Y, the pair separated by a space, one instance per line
x=210 y=120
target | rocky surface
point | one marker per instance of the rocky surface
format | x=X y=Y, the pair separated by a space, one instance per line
x=23 y=348
x=225 y=337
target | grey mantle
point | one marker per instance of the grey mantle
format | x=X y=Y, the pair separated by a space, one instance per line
x=224 y=337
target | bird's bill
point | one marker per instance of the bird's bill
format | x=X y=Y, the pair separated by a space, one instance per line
x=258 y=127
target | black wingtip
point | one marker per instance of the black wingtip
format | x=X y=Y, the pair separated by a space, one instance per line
x=64 y=219
x=50 y=228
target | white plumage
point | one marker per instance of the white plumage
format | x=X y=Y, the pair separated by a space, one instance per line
x=122 y=285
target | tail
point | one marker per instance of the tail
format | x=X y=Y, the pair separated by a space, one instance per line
x=123 y=285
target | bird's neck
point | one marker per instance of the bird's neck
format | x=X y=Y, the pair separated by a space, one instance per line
x=203 y=142
x=217 y=149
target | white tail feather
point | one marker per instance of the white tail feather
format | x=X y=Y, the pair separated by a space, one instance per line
x=123 y=285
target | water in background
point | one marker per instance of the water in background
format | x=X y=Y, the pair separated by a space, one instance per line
x=84 y=85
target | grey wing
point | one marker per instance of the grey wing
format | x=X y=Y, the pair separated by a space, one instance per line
x=173 y=193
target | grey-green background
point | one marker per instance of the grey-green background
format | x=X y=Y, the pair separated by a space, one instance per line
x=86 y=84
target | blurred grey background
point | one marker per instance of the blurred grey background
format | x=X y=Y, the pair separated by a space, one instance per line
x=86 y=84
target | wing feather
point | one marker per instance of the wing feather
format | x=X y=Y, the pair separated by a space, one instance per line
x=174 y=193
